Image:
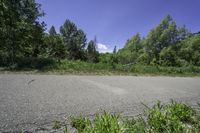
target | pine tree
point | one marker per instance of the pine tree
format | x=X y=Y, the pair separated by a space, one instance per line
x=115 y=50
x=52 y=31
x=92 y=52
x=74 y=39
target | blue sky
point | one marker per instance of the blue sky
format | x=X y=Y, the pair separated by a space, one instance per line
x=115 y=21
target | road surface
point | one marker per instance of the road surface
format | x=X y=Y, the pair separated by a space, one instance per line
x=33 y=102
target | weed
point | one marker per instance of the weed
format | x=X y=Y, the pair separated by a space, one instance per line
x=56 y=125
x=66 y=130
x=105 y=123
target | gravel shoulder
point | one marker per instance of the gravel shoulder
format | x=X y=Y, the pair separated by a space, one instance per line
x=33 y=102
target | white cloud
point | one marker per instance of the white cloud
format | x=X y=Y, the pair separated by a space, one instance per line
x=103 y=48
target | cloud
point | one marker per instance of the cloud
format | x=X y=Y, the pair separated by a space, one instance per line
x=103 y=48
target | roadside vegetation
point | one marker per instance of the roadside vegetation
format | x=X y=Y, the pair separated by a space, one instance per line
x=168 y=49
x=82 y=67
x=161 y=118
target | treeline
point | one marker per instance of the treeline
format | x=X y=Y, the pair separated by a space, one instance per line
x=165 y=45
x=23 y=38
x=70 y=43
x=23 y=41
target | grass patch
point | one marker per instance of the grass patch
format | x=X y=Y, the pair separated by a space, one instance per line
x=170 y=118
x=57 y=125
x=105 y=123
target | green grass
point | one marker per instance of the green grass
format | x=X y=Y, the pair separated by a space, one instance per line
x=56 y=125
x=173 y=71
x=105 y=123
x=170 y=118
x=80 y=67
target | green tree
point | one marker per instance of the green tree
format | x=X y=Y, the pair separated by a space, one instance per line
x=134 y=44
x=52 y=31
x=190 y=50
x=131 y=50
x=163 y=35
x=54 y=47
x=74 y=39
x=115 y=50
x=168 y=56
x=20 y=31
x=93 y=54
x=183 y=33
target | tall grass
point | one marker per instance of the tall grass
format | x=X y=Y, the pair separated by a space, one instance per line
x=189 y=70
x=106 y=68
x=69 y=66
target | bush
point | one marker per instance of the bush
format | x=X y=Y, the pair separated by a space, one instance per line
x=175 y=117
x=35 y=63
x=77 y=66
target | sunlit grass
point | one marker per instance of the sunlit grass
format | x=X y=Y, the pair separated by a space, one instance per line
x=170 y=118
x=81 y=67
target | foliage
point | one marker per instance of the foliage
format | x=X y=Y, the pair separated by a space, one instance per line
x=174 y=117
x=130 y=52
x=115 y=50
x=165 y=45
x=170 y=118
x=20 y=31
x=168 y=57
x=52 y=31
x=105 y=123
x=74 y=39
x=54 y=47
x=92 y=53
x=34 y=63
x=190 y=50
x=105 y=57
x=163 y=70
x=24 y=42
x=78 y=66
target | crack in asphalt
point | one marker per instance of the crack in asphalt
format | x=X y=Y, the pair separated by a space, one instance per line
x=31 y=81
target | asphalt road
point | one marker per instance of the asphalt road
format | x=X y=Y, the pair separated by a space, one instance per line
x=33 y=102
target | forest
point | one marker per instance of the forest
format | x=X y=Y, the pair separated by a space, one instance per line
x=25 y=43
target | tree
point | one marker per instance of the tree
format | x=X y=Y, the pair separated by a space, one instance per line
x=166 y=34
x=74 y=39
x=115 y=50
x=183 y=33
x=52 y=31
x=163 y=35
x=161 y=46
x=54 y=47
x=131 y=50
x=190 y=50
x=93 y=55
x=134 y=44
x=21 y=32
x=168 y=56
